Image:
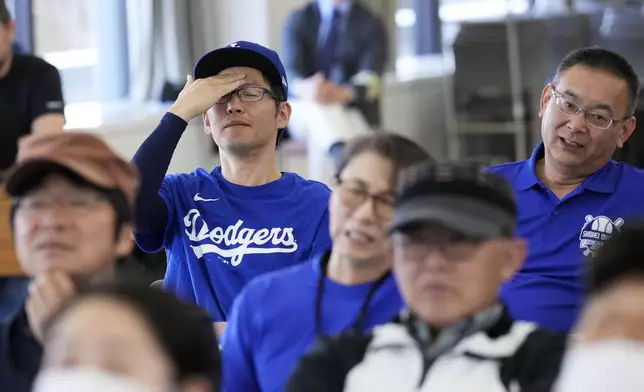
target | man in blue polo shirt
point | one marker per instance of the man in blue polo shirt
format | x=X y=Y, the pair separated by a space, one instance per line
x=221 y=228
x=571 y=195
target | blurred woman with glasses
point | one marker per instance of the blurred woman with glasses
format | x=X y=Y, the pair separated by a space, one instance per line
x=278 y=317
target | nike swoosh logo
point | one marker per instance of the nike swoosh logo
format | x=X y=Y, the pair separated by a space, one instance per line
x=199 y=198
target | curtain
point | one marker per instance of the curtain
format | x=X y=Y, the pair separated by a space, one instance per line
x=165 y=39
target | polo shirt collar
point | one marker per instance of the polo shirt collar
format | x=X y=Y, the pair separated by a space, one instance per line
x=527 y=177
x=602 y=181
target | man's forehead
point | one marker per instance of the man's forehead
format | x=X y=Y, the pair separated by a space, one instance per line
x=593 y=87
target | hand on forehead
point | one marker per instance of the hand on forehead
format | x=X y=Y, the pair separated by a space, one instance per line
x=251 y=75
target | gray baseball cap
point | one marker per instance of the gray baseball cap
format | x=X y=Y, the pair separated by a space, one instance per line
x=463 y=197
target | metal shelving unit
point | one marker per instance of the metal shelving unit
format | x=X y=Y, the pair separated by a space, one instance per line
x=517 y=128
x=511 y=123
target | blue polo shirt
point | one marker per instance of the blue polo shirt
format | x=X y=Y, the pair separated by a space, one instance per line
x=563 y=234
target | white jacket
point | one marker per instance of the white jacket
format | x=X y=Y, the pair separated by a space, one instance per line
x=507 y=357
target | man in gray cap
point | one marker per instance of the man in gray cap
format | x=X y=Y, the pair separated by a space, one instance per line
x=453 y=247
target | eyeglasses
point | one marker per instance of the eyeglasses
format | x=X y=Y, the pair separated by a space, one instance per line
x=353 y=195
x=71 y=203
x=416 y=247
x=248 y=94
x=570 y=108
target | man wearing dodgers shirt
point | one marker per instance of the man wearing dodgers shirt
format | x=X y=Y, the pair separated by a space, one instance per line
x=222 y=228
x=572 y=197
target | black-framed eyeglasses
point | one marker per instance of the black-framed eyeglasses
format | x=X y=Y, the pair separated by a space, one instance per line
x=248 y=94
x=353 y=196
x=570 y=108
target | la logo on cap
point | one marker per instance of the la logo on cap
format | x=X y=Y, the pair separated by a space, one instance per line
x=233 y=45
x=284 y=81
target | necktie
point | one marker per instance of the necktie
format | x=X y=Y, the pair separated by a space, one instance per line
x=327 y=53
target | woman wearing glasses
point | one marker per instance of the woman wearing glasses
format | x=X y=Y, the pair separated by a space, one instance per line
x=278 y=317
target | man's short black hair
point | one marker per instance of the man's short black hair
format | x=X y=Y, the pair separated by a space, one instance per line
x=607 y=61
x=277 y=89
x=5 y=15
x=621 y=257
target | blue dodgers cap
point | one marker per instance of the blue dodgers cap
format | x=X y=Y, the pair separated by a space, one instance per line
x=243 y=54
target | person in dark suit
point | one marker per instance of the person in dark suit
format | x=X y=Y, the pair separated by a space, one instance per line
x=335 y=52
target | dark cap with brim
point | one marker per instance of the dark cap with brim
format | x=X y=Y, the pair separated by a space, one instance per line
x=459 y=196
x=243 y=54
x=469 y=216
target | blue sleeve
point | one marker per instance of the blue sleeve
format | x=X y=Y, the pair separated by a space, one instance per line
x=238 y=341
x=154 y=208
x=322 y=241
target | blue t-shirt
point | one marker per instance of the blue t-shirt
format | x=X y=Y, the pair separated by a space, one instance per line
x=272 y=323
x=221 y=235
x=563 y=234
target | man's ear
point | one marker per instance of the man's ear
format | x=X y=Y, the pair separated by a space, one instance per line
x=513 y=258
x=283 y=115
x=546 y=96
x=626 y=131
x=207 y=126
x=125 y=241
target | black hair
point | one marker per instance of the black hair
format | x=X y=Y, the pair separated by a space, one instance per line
x=280 y=96
x=401 y=151
x=184 y=332
x=276 y=88
x=607 y=61
x=116 y=198
x=622 y=256
x=5 y=15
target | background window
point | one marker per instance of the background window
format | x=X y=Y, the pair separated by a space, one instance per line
x=65 y=35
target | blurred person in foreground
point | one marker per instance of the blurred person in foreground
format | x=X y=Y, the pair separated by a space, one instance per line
x=278 y=317
x=123 y=338
x=71 y=222
x=607 y=348
x=572 y=196
x=335 y=53
x=453 y=246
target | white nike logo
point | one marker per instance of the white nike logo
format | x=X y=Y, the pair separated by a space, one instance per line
x=199 y=198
